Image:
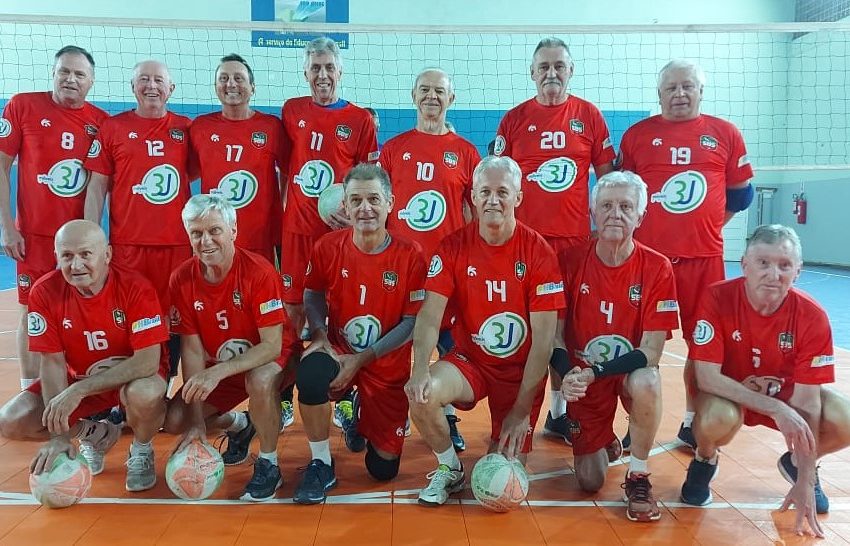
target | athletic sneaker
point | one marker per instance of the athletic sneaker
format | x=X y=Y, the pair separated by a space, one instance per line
x=457 y=439
x=696 y=490
x=789 y=472
x=99 y=438
x=614 y=450
x=559 y=427
x=287 y=414
x=444 y=482
x=641 y=505
x=141 y=471
x=627 y=442
x=354 y=441
x=686 y=436
x=317 y=480
x=238 y=443
x=265 y=481
x=407 y=428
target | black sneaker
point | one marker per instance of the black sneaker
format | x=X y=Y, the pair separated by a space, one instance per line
x=686 y=436
x=318 y=478
x=559 y=427
x=696 y=490
x=264 y=482
x=238 y=444
x=457 y=439
x=789 y=472
x=354 y=441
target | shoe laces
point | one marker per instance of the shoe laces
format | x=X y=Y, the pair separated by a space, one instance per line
x=138 y=463
x=441 y=477
x=346 y=409
x=637 y=487
x=286 y=405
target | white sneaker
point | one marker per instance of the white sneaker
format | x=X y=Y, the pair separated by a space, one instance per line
x=99 y=439
x=444 y=482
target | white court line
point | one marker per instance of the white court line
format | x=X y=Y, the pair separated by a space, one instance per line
x=840 y=276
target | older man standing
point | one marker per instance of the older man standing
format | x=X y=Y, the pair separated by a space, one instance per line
x=505 y=280
x=764 y=355
x=621 y=306
x=697 y=171
x=99 y=332
x=556 y=137
x=50 y=133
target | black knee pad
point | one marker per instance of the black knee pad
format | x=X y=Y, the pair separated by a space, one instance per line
x=315 y=372
x=379 y=468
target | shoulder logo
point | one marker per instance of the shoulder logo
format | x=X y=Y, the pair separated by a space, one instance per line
x=664 y=306
x=145 y=323
x=436 y=266
x=5 y=128
x=259 y=139
x=584 y=288
x=499 y=146
x=550 y=288
x=471 y=271
x=450 y=159
x=302 y=123
x=657 y=142
x=823 y=360
x=708 y=142
x=532 y=128
x=405 y=156
x=36 y=325
x=45 y=122
x=343 y=132
x=417 y=295
x=273 y=304
x=91 y=130
x=132 y=134
x=703 y=332
x=214 y=138
x=94 y=149
x=24 y=281
x=373 y=156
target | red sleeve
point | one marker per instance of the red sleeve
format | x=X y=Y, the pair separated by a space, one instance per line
x=440 y=278
x=661 y=312
x=707 y=343
x=144 y=313
x=503 y=141
x=42 y=325
x=367 y=147
x=317 y=277
x=602 y=151
x=416 y=283
x=182 y=319
x=738 y=168
x=546 y=289
x=11 y=128
x=472 y=161
x=386 y=159
x=815 y=363
x=102 y=162
x=284 y=149
x=265 y=295
x=625 y=161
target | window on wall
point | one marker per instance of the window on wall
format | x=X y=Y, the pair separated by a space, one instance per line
x=810 y=11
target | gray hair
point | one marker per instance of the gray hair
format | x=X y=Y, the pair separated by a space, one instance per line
x=202 y=204
x=320 y=45
x=451 y=88
x=140 y=63
x=551 y=41
x=370 y=171
x=501 y=163
x=683 y=64
x=622 y=179
x=774 y=234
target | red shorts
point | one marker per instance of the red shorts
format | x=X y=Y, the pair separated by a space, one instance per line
x=39 y=260
x=693 y=276
x=500 y=393
x=559 y=244
x=594 y=415
x=156 y=263
x=231 y=391
x=294 y=254
x=383 y=412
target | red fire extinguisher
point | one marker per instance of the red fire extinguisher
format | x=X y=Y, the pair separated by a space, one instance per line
x=800 y=207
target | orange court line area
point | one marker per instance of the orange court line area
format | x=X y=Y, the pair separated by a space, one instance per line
x=747 y=492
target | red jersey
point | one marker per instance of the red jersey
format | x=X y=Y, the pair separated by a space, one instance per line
x=494 y=290
x=324 y=144
x=767 y=354
x=687 y=166
x=368 y=295
x=95 y=333
x=610 y=308
x=51 y=143
x=236 y=158
x=431 y=177
x=148 y=162
x=228 y=316
x=555 y=147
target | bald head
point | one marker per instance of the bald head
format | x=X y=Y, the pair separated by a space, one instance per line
x=83 y=256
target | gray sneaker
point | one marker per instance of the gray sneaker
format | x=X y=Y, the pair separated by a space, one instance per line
x=444 y=482
x=99 y=438
x=141 y=471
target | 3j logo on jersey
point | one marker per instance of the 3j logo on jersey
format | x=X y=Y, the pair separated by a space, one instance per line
x=66 y=178
x=605 y=348
x=232 y=348
x=682 y=192
x=314 y=177
x=501 y=335
x=435 y=266
x=555 y=175
x=361 y=332
x=160 y=185
x=425 y=211
x=239 y=188
x=5 y=128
